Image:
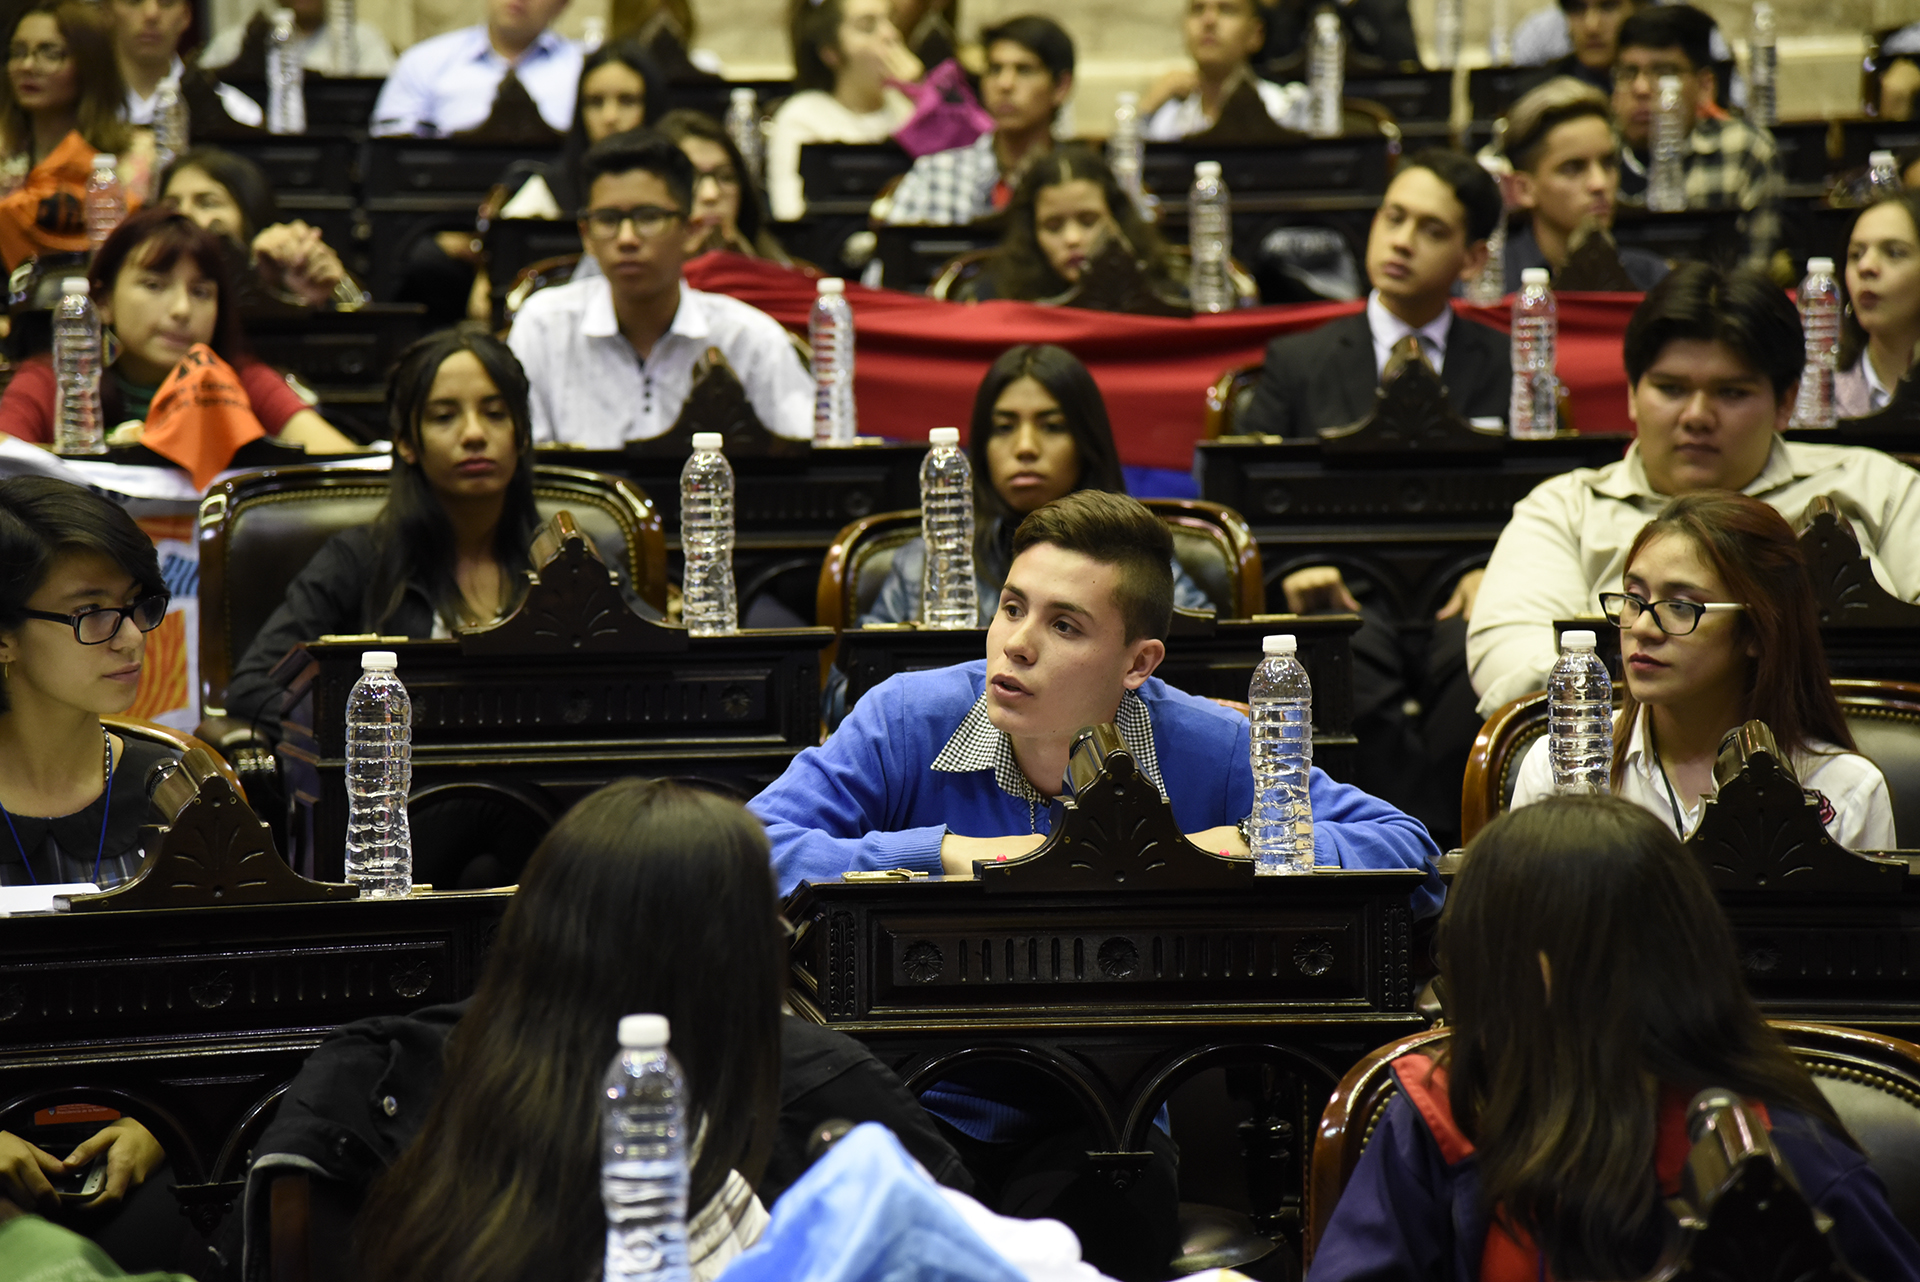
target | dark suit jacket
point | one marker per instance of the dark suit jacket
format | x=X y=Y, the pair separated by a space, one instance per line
x=1326 y=377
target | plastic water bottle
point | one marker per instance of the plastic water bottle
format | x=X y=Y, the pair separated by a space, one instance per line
x=1489 y=284
x=706 y=541
x=379 y=779
x=593 y=33
x=643 y=1157
x=170 y=137
x=286 y=79
x=1762 y=67
x=1500 y=33
x=949 y=598
x=1326 y=75
x=1580 y=719
x=830 y=331
x=1536 y=387
x=743 y=128
x=1281 y=698
x=1446 y=34
x=1667 y=177
x=1883 y=176
x=341 y=20
x=1820 y=322
x=106 y=203
x=1209 y=240
x=1126 y=153
x=76 y=370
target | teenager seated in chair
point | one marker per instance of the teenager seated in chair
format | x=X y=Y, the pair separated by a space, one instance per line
x=1713 y=365
x=610 y=359
x=148 y=37
x=1880 y=324
x=1718 y=627
x=229 y=196
x=728 y=206
x=932 y=771
x=1222 y=37
x=1593 y=989
x=163 y=286
x=1566 y=172
x=1064 y=212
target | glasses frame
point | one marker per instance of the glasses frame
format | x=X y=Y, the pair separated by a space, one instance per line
x=125 y=612
x=659 y=215
x=1695 y=610
x=47 y=57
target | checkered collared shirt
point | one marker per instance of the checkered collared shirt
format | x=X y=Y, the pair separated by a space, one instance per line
x=1730 y=165
x=980 y=745
x=948 y=188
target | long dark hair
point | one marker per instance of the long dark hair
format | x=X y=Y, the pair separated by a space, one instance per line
x=653 y=95
x=1021 y=271
x=1556 y=1080
x=243 y=181
x=647 y=897
x=414 y=537
x=41 y=518
x=1754 y=551
x=814 y=25
x=1853 y=339
x=101 y=89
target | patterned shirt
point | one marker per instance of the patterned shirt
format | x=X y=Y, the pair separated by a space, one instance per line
x=1730 y=165
x=946 y=188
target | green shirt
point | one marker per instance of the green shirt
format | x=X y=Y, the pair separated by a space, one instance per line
x=32 y=1250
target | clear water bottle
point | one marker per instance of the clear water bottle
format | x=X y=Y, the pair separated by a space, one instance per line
x=1580 y=719
x=1763 y=67
x=743 y=127
x=1536 y=330
x=106 y=203
x=341 y=20
x=1446 y=34
x=593 y=33
x=830 y=331
x=643 y=1157
x=1667 y=176
x=949 y=598
x=1489 y=284
x=170 y=138
x=1883 y=176
x=286 y=79
x=1820 y=322
x=1126 y=153
x=1209 y=240
x=706 y=541
x=1326 y=75
x=1281 y=698
x=379 y=779
x=1500 y=33
x=78 y=428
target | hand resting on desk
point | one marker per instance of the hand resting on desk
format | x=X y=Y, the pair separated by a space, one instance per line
x=958 y=854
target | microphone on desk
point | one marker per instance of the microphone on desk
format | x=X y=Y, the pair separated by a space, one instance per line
x=172 y=783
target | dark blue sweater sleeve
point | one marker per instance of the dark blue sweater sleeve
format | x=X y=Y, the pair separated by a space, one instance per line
x=1352 y=829
x=1394 y=1222
x=1839 y=1180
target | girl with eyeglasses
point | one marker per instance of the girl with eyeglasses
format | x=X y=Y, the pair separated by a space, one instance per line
x=1718 y=627
x=726 y=203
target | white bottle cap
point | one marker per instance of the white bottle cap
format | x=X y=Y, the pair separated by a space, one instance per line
x=1876 y=158
x=1127 y=97
x=1206 y=169
x=1820 y=265
x=742 y=94
x=75 y=285
x=1534 y=276
x=1283 y=643
x=105 y=160
x=1575 y=639
x=379 y=661
x=944 y=436
x=832 y=285
x=643 y=1032
x=706 y=440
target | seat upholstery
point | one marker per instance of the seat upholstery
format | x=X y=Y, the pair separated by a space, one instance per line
x=259 y=530
x=1872 y=1081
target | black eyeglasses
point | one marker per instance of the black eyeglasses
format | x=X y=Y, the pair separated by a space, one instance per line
x=648 y=220
x=1675 y=618
x=98 y=626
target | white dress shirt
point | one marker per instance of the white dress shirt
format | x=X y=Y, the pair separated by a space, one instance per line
x=446 y=84
x=1389 y=329
x=1849 y=783
x=243 y=109
x=592 y=389
x=1290 y=105
x=373 y=56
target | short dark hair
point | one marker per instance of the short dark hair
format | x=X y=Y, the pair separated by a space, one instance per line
x=1046 y=39
x=1740 y=308
x=40 y=518
x=243 y=180
x=1669 y=26
x=643 y=149
x=1118 y=531
x=1472 y=186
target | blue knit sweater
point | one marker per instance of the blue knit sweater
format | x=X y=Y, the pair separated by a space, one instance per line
x=868 y=797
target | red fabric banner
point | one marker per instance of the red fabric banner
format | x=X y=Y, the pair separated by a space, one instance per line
x=920 y=360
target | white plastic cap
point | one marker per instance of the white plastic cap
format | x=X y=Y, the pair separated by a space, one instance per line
x=944 y=436
x=1574 y=639
x=742 y=94
x=1127 y=97
x=643 y=1032
x=75 y=285
x=105 y=160
x=1820 y=265
x=1879 y=158
x=1206 y=169
x=379 y=661
x=706 y=440
x=1283 y=643
x=832 y=285
x=1534 y=276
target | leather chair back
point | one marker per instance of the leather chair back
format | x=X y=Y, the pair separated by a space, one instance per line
x=259 y=530
x=1228 y=399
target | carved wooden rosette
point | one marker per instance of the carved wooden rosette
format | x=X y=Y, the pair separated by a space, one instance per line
x=717 y=402
x=572 y=606
x=1843 y=582
x=1114 y=281
x=1243 y=120
x=1411 y=413
x=1593 y=263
